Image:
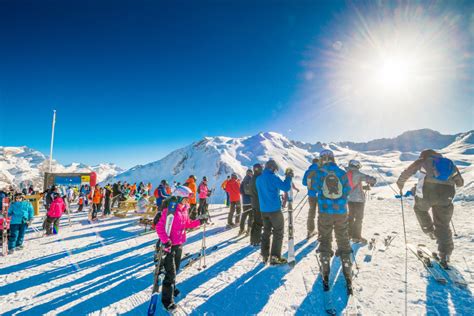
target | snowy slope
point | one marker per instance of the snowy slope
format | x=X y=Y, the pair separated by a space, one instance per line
x=23 y=166
x=106 y=268
x=217 y=157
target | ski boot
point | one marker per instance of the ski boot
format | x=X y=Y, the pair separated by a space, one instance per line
x=325 y=265
x=274 y=260
x=171 y=308
x=443 y=261
x=264 y=259
x=326 y=282
x=241 y=232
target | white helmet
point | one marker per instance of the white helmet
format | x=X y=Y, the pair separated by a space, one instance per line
x=183 y=192
x=355 y=163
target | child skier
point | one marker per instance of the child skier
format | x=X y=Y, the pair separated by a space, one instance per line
x=173 y=243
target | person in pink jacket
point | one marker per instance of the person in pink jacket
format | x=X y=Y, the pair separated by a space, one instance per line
x=56 y=210
x=172 y=243
x=204 y=193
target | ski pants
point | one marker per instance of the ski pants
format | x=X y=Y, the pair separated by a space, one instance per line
x=326 y=224
x=51 y=223
x=257 y=224
x=234 y=208
x=107 y=207
x=246 y=217
x=17 y=235
x=202 y=209
x=171 y=263
x=79 y=209
x=313 y=203
x=439 y=198
x=227 y=203
x=273 y=223
x=95 y=210
x=356 y=215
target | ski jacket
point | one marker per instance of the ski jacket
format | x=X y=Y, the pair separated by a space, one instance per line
x=57 y=208
x=224 y=184
x=3 y=195
x=161 y=194
x=116 y=189
x=356 y=179
x=191 y=183
x=233 y=188
x=332 y=206
x=269 y=186
x=313 y=167
x=203 y=190
x=142 y=204
x=245 y=185
x=97 y=197
x=20 y=212
x=425 y=166
x=181 y=222
x=254 y=192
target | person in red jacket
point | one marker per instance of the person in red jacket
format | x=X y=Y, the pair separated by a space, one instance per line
x=233 y=188
x=56 y=210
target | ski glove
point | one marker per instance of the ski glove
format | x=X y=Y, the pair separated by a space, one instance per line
x=168 y=244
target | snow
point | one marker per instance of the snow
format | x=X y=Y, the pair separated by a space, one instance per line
x=106 y=268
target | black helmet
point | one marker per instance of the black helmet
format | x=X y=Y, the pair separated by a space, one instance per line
x=272 y=165
x=257 y=168
x=204 y=178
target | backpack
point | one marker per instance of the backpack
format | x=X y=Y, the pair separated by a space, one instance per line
x=443 y=168
x=311 y=180
x=332 y=186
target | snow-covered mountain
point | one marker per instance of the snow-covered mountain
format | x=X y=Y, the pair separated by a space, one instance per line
x=218 y=157
x=23 y=166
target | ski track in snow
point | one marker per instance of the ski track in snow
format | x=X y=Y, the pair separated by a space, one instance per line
x=106 y=268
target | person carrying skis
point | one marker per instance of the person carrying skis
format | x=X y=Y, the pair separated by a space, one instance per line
x=435 y=189
x=233 y=188
x=356 y=199
x=56 y=210
x=21 y=215
x=309 y=180
x=257 y=224
x=173 y=243
x=246 y=201
x=204 y=193
x=333 y=190
x=269 y=186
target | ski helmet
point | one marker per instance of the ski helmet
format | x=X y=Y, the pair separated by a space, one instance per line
x=272 y=165
x=204 y=178
x=234 y=176
x=183 y=192
x=355 y=163
x=326 y=155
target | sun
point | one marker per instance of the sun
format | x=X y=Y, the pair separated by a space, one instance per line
x=394 y=73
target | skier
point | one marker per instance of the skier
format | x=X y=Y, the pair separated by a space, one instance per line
x=107 y=198
x=160 y=194
x=356 y=199
x=223 y=185
x=268 y=187
x=56 y=210
x=257 y=224
x=233 y=188
x=191 y=183
x=21 y=215
x=246 y=201
x=142 y=203
x=96 y=199
x=309 y=180
x=117 y=193
x=173 y=244
x=332 y=191
x=203 y=192
x=435 y=189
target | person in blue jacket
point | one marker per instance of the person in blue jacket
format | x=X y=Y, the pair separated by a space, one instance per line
x=309 y=180
x=333 y=190
x=269 y=186
x=21 y=214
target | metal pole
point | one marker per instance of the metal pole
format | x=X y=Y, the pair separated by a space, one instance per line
x=52 y=142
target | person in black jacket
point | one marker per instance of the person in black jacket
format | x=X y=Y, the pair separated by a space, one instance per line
x=246 y=201
x=116 y=193
x=257 y=224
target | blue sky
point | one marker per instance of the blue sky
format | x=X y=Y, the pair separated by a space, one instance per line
x=133 y=80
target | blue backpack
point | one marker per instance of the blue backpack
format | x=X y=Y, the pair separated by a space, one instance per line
x=443 y=168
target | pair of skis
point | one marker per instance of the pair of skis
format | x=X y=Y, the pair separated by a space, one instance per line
x=5 y=204
x=431 y=261
x=158 y=275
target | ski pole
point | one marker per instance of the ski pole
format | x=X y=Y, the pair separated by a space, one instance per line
x=454 y=230
x=301 y=208
x=406 y=253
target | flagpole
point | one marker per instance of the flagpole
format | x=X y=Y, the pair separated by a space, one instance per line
x=52 y=142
